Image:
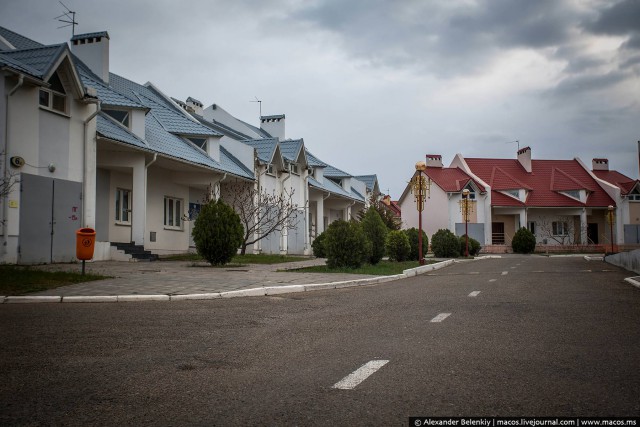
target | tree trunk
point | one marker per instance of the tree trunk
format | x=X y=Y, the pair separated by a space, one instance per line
x=243 y=250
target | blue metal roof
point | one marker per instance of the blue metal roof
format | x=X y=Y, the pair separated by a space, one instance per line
x=357 y=194
x=6 y=61
x=219 y=127
x=369 y=181
x=233 y=165
x=264 y=148
x=314 y=161
x=18 y=41
x=334 y=189
x=109 y=129
x=291 y=148
x=106 y=94
x=334 y=172
x=41 y=59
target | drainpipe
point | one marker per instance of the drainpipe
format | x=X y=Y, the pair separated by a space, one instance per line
x=349 y=209
x=284 y=237
x=84 y=157
x=5 y=176
x=220 y=187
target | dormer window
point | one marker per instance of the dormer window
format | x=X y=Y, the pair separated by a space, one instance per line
x=270 y=169
x=121 y=116
x=574 y=194
x=634 y=196
x=54 y=97
x=513 y=193
x=293 y=168
x=199 y=142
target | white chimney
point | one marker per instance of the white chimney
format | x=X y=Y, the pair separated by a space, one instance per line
x=600 y=164
x=434 y=161
x=273 y=125
x=93 y=50
x=524 y=157
x=195 y=105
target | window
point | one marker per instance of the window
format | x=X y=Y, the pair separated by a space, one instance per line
x=119 y=116
x=270 y=169
x=123 y=206
x=513 y=193
x=634 y=197
x=293 y=167
x=560 y=228
x=532 y=227
x=54 y=97
x=572 y=193
x=199 y=142
x=172 y=213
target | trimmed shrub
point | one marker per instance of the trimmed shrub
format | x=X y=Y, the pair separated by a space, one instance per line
x=376 y=232
x=398 y=247
x=318 y=246
x=217 y=232
x=474 y=246
x=523 y=242
x=346 y=245
x=445 y=244
x=412 y=234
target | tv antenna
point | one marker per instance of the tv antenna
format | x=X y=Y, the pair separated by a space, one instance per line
x=259 y=103
x=515 y=140
x=68 y=18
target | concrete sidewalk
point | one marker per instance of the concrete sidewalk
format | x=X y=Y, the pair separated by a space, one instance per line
x=187 y=277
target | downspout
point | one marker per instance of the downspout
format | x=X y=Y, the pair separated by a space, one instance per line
x=5 y=172
x=220 y=187
x=349 y=210
x=84 y=157
x=146 y=173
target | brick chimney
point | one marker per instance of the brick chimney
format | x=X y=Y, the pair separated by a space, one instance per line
x=524 y=157
x=600 y=164
x=273 y=125
x=434 y=161
x=93 y=50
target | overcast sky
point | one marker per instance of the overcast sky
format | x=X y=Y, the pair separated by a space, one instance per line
x=372 y=86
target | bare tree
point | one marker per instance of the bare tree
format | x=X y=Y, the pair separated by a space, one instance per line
x=561 y=229
x=9 y=179
x=261 y=213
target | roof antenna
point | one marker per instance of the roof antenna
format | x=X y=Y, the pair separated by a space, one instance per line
x=511 y=142
x=69 y=18
x=260 y=104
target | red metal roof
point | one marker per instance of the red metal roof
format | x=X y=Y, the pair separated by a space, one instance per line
x=621 y=181
x=451 y=180
x=548 y=178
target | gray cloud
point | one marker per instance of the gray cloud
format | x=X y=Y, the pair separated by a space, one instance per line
x=621 y=18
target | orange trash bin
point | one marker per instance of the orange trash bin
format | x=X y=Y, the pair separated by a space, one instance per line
x=85 y=243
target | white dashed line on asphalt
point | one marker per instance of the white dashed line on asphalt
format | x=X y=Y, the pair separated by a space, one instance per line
x=492 y=280
x=474 y=293
x=538 y=271
x=362 y=373
x=512 y=267
x=504 y=273
x=475 y=272
x=440 y=317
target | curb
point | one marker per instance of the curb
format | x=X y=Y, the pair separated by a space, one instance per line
x=593 y=258
x=254 y=292
x=634 y=282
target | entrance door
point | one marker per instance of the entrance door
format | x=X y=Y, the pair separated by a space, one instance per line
x=497 y=233
x=50 y=214
x=592 y=233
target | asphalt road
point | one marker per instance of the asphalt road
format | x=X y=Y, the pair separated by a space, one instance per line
x=543 y=337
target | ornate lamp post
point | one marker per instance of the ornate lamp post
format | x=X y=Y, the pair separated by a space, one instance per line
x=466 y=207
x=420 y=186
x=611 y=220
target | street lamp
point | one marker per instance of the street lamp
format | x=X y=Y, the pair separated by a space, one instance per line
x=610 y=218
x=420 y=186
x=466 y=207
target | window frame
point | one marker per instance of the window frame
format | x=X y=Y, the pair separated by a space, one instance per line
x=127 y=116
x=560 y=228
x=173 y=213
x=120 y=212
x=51 y=94
x=270 y=170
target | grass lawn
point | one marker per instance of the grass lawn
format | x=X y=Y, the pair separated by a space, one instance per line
x=383 y=268
x=241 y=260
x=16 y=280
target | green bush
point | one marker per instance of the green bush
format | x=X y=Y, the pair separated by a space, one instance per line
x=398 y=247
x=217 y=232
x=445 y=244
x=346 y=245
x=318 y=246
x=412 y=234
x=523 y=242
x=474 y=246
x=376 y=232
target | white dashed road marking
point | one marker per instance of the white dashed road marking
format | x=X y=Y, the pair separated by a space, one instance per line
x=440 y=317
x=504 y=273
x=492 y=280
x=362 y=373
x=474 y=293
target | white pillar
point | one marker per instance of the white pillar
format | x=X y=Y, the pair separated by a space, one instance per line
x=319 y=215
x=139 y=202
x=583 y=226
